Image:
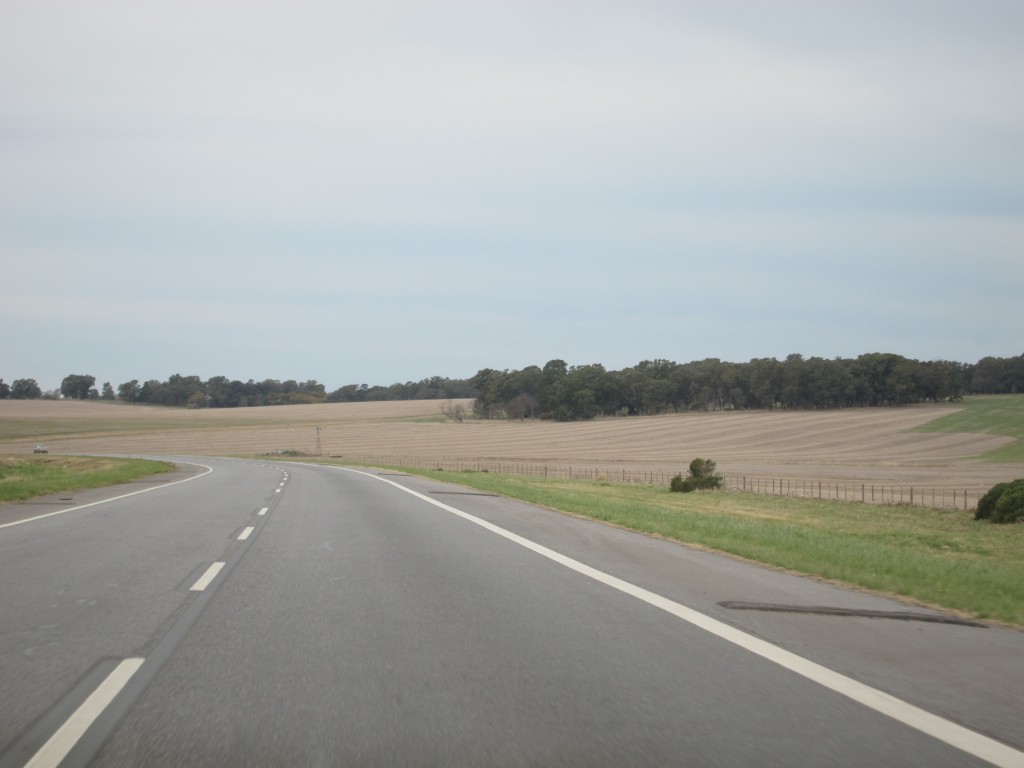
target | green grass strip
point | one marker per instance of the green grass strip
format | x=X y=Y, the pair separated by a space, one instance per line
x=25 y=477
x=942 y=558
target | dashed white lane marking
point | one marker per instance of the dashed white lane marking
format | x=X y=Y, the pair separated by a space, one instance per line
x=58 y=746
x=277 y=490
x=204 y=581
x=951 y=733
x=245 y=533
x=263 y=511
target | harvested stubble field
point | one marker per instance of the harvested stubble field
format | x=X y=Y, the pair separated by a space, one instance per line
x=874 y=446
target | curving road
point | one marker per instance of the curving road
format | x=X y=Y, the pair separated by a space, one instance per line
x=268 y=614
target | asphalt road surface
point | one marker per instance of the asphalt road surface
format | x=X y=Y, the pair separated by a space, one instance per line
x=272 y=614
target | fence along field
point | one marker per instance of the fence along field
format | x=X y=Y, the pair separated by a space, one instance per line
x=856 y=454
x=932 y=497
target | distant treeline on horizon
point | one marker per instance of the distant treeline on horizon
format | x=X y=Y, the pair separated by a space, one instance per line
x=565 y=393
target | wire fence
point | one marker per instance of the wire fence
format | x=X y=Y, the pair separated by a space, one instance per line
x=865 y=493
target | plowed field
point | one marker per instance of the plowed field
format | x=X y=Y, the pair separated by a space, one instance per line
x=876 y=446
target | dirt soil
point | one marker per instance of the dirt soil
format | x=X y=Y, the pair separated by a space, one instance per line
x=869 y=445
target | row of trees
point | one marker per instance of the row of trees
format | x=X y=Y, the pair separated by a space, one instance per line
x=220 y=392
x=558 y=391
x=562 y=392
x=434 y=388
x=20 y=389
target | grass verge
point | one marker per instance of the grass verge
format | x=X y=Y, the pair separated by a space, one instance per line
x=25 y=477
x=993 y=415
x=942 y=558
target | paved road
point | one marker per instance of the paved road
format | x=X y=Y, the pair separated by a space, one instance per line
x=267 y=614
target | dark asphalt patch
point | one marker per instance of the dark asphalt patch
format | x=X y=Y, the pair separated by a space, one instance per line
x=824 y=610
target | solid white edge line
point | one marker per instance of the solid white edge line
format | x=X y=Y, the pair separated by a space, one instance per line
x=204 y=581
x=951 y=733
x=61 y=743
x=246 y=533
x=114 y=498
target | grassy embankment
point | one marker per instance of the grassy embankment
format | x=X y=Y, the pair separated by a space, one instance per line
x=25 y=477
x=942 y=558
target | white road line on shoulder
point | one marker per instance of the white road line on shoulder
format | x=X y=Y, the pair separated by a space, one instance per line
x=204 y=581
x=263 y=511
x=951 y=733
x=245 y=533
x=56 y=749
x=113 y=498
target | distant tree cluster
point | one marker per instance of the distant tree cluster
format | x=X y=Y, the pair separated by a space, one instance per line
x=434 y=388
x=220 y=392
x=564 y=393
x=20 y=389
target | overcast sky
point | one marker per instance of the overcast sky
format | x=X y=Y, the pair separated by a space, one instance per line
x=377 y=192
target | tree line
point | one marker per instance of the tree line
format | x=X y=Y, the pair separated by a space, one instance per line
x=561 y=392
x=565 y=393
x=221 y=392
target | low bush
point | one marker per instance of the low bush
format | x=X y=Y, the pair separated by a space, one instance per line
x=701 y=477
x=1010 y=507
x=988 y=502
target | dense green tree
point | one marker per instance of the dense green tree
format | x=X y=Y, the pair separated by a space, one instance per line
x=25 y=389
x=5 y=390
x=76 y=386
x=350 y=393
x=766 y=382
x=1014 y=375
x=583 y=392
x=682 y=382
x=649 y=387
x=989 y=376
x=128 y=391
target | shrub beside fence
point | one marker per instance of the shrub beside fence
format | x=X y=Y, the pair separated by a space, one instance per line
x=866 y=493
